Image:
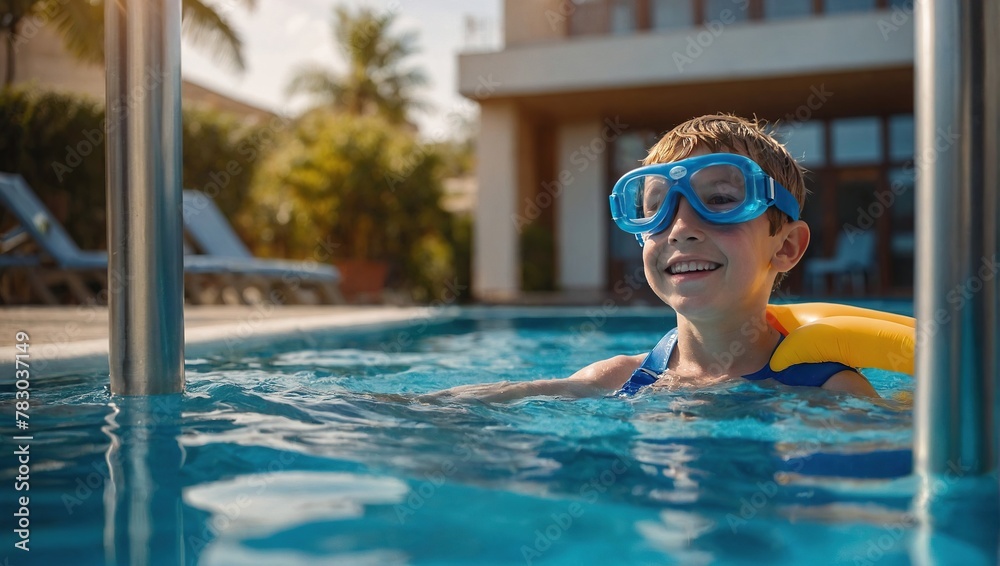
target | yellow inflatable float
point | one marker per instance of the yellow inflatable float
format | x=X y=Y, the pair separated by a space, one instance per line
x=854 y=336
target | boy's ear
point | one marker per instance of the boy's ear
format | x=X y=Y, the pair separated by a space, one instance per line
x=796 y=239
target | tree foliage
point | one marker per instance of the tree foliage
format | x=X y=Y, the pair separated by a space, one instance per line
x=80 y=23
x=376 y=81
x=359 y=188
x=57 y=143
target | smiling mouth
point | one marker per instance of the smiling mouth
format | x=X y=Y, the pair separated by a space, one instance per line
x=692 y=267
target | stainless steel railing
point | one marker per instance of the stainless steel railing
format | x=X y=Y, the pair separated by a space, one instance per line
x=145 y=255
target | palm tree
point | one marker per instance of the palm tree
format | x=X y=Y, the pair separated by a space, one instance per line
x=81 y=25
x=375 y=82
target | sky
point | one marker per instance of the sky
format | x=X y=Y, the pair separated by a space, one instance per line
x=281 y=36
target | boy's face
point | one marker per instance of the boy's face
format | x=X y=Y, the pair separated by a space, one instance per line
x=705 y=270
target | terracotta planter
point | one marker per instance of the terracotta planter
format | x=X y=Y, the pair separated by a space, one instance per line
x=362 y=280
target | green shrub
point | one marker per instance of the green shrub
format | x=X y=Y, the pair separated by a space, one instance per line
x=358 y=188
x=56 y=142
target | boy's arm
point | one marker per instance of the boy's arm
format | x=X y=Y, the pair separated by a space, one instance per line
x=598 y=378
x=850 y=381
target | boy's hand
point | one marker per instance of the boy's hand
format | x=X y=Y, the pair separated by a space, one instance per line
x=849 y=381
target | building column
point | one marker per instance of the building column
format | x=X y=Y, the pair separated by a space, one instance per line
x=582 y=207
x=495 y=257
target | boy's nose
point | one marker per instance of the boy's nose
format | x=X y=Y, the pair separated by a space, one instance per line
x=686 y=225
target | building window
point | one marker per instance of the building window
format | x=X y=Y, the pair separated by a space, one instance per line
x=902 y=242
x=622 y=17
x=671 y=14
x=805 y=141
x=727 y=11
x=785 y=9
x=902 y=182
x=629 y=151
x=842 y=6
x=901 y=137
x=902 y=187
x=857 y=140
x=588 y=18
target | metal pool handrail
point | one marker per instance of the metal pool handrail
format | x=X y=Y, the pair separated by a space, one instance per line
x=956 y=82
x=145 y=254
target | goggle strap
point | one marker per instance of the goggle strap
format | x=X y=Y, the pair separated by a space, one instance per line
x=783 y=199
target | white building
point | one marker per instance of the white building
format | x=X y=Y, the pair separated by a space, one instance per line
x=582 y=88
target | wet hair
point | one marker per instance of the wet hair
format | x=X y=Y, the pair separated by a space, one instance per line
x=729 y=133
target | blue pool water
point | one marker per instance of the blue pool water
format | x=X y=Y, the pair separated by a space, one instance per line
x=316 y=452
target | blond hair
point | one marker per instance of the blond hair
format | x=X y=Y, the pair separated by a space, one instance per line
x=726 y=132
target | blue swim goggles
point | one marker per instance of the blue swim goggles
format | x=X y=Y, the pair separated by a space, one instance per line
x=723 y=188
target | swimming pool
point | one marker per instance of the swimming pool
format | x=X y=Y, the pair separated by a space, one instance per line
x=314 y=451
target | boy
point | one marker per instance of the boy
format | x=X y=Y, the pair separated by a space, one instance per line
x=719 y=228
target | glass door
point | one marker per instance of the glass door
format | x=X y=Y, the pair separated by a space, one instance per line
x=626 y=281
x=857 y=235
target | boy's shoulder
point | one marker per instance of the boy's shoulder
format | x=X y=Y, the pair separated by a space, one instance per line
x=850 y=381
x=610 y=373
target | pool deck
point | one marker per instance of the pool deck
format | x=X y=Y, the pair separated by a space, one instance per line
x=75 y=339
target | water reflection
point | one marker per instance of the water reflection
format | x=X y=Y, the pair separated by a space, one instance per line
x=959 y=519
x=142 y=499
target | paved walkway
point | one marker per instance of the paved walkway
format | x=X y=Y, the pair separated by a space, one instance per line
x=75 y=339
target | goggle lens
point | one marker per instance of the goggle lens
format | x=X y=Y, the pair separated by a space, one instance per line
x=719 y=188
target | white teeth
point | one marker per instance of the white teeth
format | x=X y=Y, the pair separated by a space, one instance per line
x=686 y=266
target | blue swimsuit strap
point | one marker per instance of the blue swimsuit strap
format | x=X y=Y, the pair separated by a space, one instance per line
x=802 y=375
x=655 y=363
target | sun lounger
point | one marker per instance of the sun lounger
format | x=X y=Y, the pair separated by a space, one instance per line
x=58 y=260
x=211 y=233
x=72 y=266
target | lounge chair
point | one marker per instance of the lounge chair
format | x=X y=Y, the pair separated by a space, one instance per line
x=10 y=261
x=854 y=259
x=72 y=266
x=212 y=235
x=59 y=260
